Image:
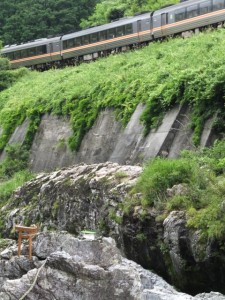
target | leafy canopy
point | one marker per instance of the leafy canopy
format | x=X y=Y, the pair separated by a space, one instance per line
x=108 y=10
x=25 y=20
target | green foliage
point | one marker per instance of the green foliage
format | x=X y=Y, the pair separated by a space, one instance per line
x=161 y=174
x=141 y=237
x=115 y=217
x=108 y=10
x=7 y=77
x=104 y=12
x=8 y=186
x=15 y=161
x=121 y=175
x=52 y=17
x=4 y=64
x=209 y=158
x=210 y=219
x=202 y=177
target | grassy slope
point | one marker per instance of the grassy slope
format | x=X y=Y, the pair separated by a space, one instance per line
x=159 y=75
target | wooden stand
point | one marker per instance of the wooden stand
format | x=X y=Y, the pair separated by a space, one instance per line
x=26 y=233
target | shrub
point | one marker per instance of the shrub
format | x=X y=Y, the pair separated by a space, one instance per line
x=8 y=186
x=16 y=160
x=161 y=174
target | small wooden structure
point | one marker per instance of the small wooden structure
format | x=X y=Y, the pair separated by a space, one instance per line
x=26 y=233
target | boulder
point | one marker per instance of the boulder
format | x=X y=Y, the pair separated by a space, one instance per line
x=85 y=270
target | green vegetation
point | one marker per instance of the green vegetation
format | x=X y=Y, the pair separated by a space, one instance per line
x=8 y=186
x=161 y=174
x=7 y=77
x=15 y=161
x=26 y=20
x=202 y=191
x=108 y=10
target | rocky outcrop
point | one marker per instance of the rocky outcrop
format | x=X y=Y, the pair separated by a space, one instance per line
x=86 y=270
x=72 y=199
x=196 y=260
x=92 y=197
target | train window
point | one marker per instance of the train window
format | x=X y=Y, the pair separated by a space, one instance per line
x=120 y=31
x=171 y=17
x=218 y=4
x=205 y=7
x=17 y=55
x=42 y=49
x=164 y=19
x=180 y=14
x=70 y=43
x=85 y=39
x=128 y=29
x=10 y=55
x=65 y=45
x=77 y=41
x=102 y=35
x=31 y=51
x=24 y=53
x=192 y=11
x=111 y=33
x=139 y=26
x=94 y=37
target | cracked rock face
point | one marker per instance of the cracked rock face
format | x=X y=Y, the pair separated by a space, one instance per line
x=83 y=270
x=90 y=197
x=71 y=199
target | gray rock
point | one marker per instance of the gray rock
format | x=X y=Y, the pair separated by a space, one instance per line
x=83 y=269
x=90 y=197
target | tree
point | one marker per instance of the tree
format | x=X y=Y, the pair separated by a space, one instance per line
x=107 y=10
x=4 y=62
x=25 y=20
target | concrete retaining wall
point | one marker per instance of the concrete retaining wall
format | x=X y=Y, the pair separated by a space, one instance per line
x=108 y=141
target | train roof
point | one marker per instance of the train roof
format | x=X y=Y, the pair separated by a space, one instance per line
x=120 y=22
x=35 y=43
x=177 y=6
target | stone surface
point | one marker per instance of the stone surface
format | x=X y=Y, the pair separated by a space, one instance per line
x=17 y=137
x=90 y=197
x=49 y=149
x=197 y=261
x=72 y=199
x=85 y=270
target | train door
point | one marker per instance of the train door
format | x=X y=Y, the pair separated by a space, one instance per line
x=139 y=29
x=164 y=22
x=51 y=49
x=151 y=25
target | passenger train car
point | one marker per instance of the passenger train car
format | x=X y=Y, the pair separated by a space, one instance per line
x=117 y=36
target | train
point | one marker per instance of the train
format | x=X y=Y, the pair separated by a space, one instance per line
x=120 y=35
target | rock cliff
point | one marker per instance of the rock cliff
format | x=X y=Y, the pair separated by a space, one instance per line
x=64 y=267
x=91 y=197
